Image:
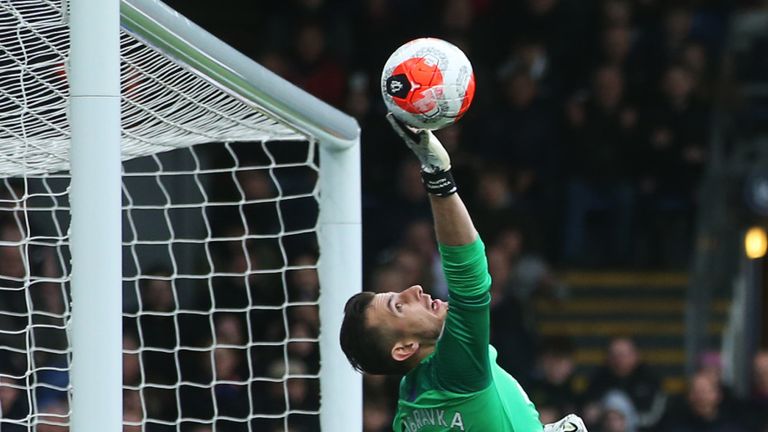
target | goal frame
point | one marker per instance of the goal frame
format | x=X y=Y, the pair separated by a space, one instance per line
x=94 y=73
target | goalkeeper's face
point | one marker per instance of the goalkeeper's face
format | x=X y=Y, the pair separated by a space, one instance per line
x=411 y=316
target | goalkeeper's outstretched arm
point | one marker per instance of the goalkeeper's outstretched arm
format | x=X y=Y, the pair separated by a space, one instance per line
x=453 y=225
x=461 y=357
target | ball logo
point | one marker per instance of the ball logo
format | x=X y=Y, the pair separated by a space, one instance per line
x=398 y=86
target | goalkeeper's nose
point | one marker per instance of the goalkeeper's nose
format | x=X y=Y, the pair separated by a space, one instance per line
x=413 y=293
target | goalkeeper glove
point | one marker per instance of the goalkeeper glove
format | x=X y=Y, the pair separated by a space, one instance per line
x=435 y=162
x=570 y=423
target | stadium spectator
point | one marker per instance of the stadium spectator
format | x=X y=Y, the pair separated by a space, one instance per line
x=758 y=400
x=314 y=68
x=131 y=364
x=521 y=137
x=419 y=238
x=132 y=411
x=410 y=266
x=602 y=134
x=619 y=414
x=510 y=334
x=48 y=293
x=710 y=363
x=531 y=276
x=494 y=206
x=156 y=327
x=672 y=160
x=260 y=212
x=306 y=314
x=624 y=371
x=13 y=404
x=306 y=352
x=230 y=387
x=560 y=25
x=53 y=418
x=616 y=46
x=386 y=278
x=12 y=273
x=617 y=13
x=408 y=197
x=703 y=410
x=303 y=282
x=382 y=388
x=376 y=417
x=229 y=329
x=553 y=387
x=695 y=58
x=298 y=393
x=530 y=55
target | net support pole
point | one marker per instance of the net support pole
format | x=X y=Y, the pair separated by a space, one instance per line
x=340 y=272
x=96 y=333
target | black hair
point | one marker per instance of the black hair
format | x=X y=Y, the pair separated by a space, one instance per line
x=367 y=347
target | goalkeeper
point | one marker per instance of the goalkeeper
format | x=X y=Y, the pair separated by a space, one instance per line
x=451 y=380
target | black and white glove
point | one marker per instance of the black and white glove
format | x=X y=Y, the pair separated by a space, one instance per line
x=435 y=162
x=570 y=423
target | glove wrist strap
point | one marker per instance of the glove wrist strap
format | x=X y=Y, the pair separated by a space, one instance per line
x=439 y=183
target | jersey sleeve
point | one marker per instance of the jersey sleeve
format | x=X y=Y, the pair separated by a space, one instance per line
x=461 y=358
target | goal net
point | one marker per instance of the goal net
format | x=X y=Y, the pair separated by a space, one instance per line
x=224 y=192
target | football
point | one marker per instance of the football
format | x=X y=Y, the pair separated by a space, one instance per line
x=428 y=83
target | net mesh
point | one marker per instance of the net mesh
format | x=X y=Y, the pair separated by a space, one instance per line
x=164 y=105
x=220 y=206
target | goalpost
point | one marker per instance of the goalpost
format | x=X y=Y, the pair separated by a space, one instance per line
x=203 y=283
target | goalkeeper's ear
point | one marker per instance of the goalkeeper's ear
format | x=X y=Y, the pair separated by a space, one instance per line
x=403 y=350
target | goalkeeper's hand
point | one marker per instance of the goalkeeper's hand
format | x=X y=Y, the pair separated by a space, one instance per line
x=432 y=155
x=570 y=423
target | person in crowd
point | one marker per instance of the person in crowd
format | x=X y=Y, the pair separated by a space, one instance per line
x=757 y=403
x=703 y=410
x=618 y=413
x=14 y=407
x=553 y=387
x=602 y=134
x=625 y=371
x=511 y=332
x=314 y=68
x=53 y=417
x=671 y=163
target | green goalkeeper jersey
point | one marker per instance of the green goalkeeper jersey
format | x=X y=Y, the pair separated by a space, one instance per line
x=459 y=387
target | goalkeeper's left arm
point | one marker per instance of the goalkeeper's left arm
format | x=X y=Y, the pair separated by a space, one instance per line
x=461 y=355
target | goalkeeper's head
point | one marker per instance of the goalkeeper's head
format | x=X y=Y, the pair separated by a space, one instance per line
x=390 y=333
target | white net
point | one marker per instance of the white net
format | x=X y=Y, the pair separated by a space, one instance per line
x=164 y=105
x=220 y=246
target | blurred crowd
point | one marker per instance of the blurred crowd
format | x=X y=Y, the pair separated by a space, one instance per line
x=584 y=147
x=589 y=128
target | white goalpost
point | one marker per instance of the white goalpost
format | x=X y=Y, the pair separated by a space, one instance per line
x=179 y=230
x=94 y=121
